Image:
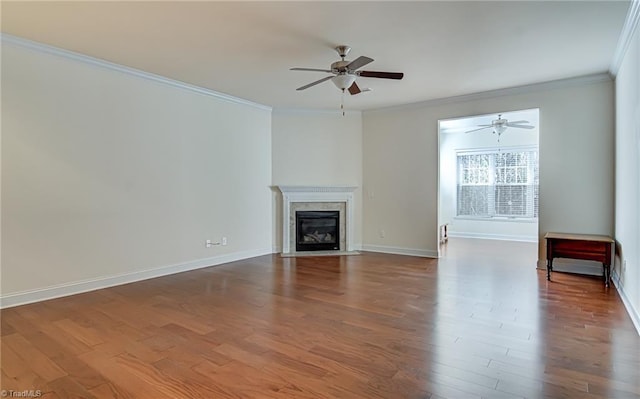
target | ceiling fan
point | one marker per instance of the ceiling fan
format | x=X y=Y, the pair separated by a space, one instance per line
x=345 y=72
x=500 y=125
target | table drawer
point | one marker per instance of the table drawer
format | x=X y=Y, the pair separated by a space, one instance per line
x=580 y=246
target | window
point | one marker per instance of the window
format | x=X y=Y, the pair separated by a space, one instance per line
x=497 y=183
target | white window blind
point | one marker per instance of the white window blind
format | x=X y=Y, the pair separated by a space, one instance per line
x=498 y=183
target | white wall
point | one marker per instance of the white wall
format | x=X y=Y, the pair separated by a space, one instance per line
x=627 y=215
x=576 y=162
x=315 y=148
x=400 y=156
x=109 y=177
x=452 y=142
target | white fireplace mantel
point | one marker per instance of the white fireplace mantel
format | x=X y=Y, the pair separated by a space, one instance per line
x=292 y=194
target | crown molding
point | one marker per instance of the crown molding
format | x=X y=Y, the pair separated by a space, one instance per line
x=629 y=28
x=509 y=91
x=302 y=111
x=48 y=49
x=631 y=23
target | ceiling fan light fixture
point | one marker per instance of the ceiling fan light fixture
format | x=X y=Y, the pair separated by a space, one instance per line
x=345 y=72
x=499 y=129
x=343 y=81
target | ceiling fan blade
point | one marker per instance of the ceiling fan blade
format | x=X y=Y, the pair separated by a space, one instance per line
x=354 y=89
x=359 y=63
x=311 y=69
x=520 y=126
x=475 y=130
x=314 y=83
x=383 y=75
x=517 y=122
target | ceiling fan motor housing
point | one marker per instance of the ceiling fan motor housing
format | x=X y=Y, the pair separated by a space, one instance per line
x=340 y=66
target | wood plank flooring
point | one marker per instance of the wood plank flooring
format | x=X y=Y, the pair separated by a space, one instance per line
x=481 y=322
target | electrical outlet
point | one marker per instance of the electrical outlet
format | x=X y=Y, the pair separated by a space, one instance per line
x=383 y=234
x=624 y=265
x=224 y=240
x=208 y=244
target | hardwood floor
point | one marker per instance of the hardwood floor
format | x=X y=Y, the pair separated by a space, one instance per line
x=479 y=322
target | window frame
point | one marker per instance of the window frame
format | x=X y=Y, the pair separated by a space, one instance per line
x=532 y=186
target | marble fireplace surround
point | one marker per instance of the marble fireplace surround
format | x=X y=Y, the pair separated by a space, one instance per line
x=317 y=198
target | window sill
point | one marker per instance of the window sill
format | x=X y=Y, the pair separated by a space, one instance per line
x=497 y=219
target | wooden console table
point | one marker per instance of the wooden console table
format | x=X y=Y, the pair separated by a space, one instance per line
x=580 y=246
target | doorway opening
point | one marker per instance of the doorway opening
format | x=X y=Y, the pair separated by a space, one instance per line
x=488 y=177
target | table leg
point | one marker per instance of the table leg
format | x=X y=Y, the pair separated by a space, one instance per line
x=549 y=268
x=607 y=274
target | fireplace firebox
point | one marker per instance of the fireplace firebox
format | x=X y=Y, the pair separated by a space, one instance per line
x=317 y=230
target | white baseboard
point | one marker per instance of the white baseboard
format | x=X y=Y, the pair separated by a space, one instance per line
x=633 y=313
x=486 y=236
x=77 y=287
x=573 y=266
x=425 y=253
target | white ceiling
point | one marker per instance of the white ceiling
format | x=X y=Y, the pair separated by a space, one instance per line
x=245 y=49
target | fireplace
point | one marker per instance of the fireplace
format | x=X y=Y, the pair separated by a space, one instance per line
x=317 y=230
x=336 y=199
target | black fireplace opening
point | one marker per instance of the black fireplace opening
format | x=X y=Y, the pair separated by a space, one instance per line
x=317 y=230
